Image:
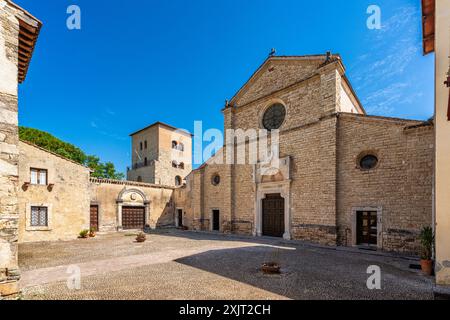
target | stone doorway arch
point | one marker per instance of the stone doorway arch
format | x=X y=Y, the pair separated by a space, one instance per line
x=132 y=197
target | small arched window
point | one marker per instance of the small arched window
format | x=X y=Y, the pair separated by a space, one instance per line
x=174 y=145
x=181 y=165
x=178 y=181
x=181 y=147
x=174 y=164
x=145 y=162
x=139 y=179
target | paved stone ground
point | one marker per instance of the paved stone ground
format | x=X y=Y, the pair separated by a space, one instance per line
x=184 y=265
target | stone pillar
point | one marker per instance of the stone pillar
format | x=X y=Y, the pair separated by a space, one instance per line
x=229 y=155
x=9 y=154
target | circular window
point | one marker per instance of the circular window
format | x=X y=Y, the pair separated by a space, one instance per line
x=215 y=180
x=274 y=116
x=368 y=162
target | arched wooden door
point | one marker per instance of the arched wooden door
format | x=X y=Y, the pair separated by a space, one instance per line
x=273 y=215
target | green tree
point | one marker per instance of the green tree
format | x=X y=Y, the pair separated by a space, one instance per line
x=51 y=143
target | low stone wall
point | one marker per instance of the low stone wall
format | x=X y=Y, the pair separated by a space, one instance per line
x=403 y=241
x=242 y=227
x=324 y=235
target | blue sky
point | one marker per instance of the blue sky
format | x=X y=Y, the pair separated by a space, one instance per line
x=136 y=62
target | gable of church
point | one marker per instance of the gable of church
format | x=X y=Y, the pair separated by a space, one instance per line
x=275 y=74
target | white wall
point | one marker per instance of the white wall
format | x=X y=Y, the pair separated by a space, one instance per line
x=442 y=49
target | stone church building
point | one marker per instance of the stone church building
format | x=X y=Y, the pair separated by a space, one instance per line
x=346 y=178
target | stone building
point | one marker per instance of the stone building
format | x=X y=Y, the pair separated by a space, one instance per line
x=54 y=198
x=58 y=199
x=345 y=178
x=161 y=154
x=18 y=35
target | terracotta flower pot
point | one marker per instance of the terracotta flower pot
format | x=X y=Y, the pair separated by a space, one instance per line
x=270 y=268
x=427 y=267
x=141 y=238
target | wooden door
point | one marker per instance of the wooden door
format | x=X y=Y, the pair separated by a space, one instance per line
x=216 y=220
x=180 y=218
x=94 y=218
x=367 y=227
x=133 y=218
x=273 y=215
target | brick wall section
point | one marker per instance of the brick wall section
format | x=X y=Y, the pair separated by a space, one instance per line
x=279 y=74
x=401 y=184
x=313 y=188
x=9 y=153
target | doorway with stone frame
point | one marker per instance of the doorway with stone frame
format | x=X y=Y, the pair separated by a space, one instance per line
x=367 y=226
x=268 y=185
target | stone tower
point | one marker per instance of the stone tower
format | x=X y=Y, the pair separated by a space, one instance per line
x=18 y=34
x=161 y=154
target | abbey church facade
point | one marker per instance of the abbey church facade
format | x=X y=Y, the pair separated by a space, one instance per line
x=345 y=178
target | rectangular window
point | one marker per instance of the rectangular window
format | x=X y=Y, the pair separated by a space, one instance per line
x=145 y=144
x=39 y=217
x=38 y=176
x=141 y=146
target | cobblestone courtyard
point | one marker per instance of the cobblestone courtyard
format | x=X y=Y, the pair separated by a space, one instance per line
x=174 y=264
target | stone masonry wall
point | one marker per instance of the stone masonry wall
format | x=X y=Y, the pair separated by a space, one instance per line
x=9 y=152
x=308 y=136
x=401 y=184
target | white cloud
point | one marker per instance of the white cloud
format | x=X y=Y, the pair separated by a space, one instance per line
x=381 y=73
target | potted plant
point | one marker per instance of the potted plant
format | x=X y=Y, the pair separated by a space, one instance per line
x=84 y=234
x=92 y=233
x=141 y=237
x=427 y=241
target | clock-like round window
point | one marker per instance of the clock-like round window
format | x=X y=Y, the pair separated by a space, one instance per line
x=274 y=116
